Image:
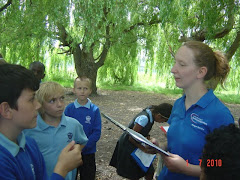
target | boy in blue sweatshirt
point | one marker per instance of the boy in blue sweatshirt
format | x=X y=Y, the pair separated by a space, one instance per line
x=20 y=157
x=88 y=114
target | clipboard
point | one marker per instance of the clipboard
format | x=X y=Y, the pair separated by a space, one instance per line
x=135 y=135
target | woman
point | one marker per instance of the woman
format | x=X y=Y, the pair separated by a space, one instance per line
x=197 y=112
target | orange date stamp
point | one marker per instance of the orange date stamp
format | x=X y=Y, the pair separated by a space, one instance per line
x=210 y=162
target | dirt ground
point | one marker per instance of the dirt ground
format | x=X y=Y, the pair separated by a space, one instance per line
x=123 y=106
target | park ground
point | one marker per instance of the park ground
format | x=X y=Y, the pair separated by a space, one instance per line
x=123 y=106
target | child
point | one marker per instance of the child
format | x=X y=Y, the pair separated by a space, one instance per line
x=54 y=130
x=38 y=69
x=126 y=166
x=88 y=115
x=221 y=158
x=20 y=157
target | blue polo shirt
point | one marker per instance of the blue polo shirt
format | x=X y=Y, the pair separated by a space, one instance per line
x=22 y=161
x=187 y=131
x=51 y=140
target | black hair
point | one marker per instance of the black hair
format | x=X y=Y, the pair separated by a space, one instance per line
x=37 y=63
x=164 y=109
x=13 y=80
x=222 y=148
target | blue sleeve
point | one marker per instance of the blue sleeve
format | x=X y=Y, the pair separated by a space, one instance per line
x=81 y=137
x=56 y=176
x=223 y=117
x=17 y=167
x=141 y=120
x=96 y=133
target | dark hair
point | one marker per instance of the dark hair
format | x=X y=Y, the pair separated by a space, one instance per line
x=13 y=80
x=222 y=144
x=164 y=109
x=37 y=63
x=216 y=63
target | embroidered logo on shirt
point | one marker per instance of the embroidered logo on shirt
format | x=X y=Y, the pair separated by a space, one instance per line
x=88 y=120
x=70 y=135
x=197 y=127
x=195 y=119
x=197 y=122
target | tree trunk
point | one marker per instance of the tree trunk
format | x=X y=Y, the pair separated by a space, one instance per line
x=85 y=66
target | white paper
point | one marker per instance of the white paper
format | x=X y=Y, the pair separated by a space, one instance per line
x=145 y=158
x=165 y=128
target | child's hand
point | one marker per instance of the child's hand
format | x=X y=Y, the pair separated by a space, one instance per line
x=81 y=146
x=150 y=150
x=154 y=141
x=69 y=159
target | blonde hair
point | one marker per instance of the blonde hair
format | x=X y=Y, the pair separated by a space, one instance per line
x=46 y=91
x=84 y=78
x=216 y=63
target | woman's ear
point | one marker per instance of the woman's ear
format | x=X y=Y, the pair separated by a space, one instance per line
x=202 y=72
x=5 y=110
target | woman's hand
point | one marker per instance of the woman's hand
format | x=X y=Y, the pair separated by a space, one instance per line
x=177 y=164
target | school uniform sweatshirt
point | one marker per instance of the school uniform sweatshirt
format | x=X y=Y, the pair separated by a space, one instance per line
x=23 y=161
x=89 y=116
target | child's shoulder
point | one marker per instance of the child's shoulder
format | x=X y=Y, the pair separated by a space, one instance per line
x=70 y=104
x=72 y=121
x=94 y=106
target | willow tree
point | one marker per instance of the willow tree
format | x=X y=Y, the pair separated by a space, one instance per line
x=112 y=31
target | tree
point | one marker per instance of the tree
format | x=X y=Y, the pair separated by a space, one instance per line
x=95 y=32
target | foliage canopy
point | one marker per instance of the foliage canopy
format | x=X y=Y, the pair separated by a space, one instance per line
x=114 y=33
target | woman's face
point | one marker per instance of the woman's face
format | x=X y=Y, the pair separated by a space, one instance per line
x=184 y=70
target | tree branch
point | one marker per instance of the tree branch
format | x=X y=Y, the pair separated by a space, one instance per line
x=169 y=47
x=105 y=48
x=152 y=22
x=220 y=33
x=63 y=36
x=106 y=45
x=225 y=30
x=6 y=5
x=231 y=51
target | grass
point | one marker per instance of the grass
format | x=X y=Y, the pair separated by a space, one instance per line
x=142 y=88
x=64 y=81
x=229 y=98
x=225 y=96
